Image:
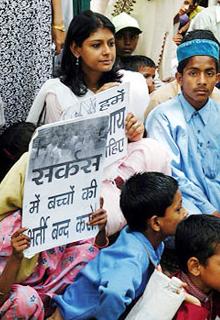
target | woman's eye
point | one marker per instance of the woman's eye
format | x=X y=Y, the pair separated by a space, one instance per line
x=95 y=45
x=112 y=44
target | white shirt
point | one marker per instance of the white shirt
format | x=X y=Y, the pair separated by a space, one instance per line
x=208 y=19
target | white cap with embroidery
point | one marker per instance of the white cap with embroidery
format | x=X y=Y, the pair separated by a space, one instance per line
x=124 y=20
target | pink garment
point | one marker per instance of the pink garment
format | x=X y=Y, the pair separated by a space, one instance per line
x=56 y=269
x=143 y=156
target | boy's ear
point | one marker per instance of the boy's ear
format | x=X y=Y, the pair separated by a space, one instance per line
x=75 y=50
x=217 y=77
x=193 y=266
x=154 y=223
x=179 y=78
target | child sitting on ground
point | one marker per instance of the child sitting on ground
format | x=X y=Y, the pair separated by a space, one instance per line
x=152 y=206
x=198 y=250
x=142 y=64
x=13 y=143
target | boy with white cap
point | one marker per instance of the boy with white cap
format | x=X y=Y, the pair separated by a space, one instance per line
x=127 y=33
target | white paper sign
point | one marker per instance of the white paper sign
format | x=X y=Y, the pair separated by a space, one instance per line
x=115 y=101
x=62 y=185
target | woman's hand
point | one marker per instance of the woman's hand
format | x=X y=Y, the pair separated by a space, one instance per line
x=99 y=217
x=58 y=37
x=134 y=129
x=19 y=243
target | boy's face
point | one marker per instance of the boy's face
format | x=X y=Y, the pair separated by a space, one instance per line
x=198 y=80
x=187 y=7
x=174 y=214
x=210 y=273
x=126 y=41
x=149 y=75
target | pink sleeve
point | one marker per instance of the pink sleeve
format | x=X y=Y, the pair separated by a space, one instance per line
x=53 y=109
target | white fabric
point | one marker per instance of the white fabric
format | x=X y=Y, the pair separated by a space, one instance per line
x=208 y=19
x=159 y=300
x=67 y=8
x=155 y=18
x=138 y=96
x=2 y=117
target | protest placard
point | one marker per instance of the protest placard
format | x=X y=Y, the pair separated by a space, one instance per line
x=62 y=185
x=115 y=101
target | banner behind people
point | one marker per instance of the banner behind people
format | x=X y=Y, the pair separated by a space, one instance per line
x=115 y=101
x=62 y=185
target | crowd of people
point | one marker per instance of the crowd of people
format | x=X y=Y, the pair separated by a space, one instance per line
x=162 y=195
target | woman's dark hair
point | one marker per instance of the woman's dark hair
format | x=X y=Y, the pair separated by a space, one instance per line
x=13 y=143
x=144 y=195
x=197 y=236
x=197 y=34
x=81 y=27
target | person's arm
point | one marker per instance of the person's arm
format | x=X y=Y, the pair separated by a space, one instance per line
x=119 y=281
x=19 y=243
x=158 y=127
x=58 y=29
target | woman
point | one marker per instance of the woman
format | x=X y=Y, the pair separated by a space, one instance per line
x=88 y=68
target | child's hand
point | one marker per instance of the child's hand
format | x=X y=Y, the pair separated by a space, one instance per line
x=134 y=129
x=99 y=217
x=19 y=243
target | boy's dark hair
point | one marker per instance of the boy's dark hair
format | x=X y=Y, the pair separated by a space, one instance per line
x=13 y=143
x=80 y=28
x=133 y=63
x=144 y=195
x=197 y=34
x=197 y=236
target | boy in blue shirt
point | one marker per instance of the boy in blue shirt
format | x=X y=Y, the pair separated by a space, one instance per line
x=152 y=206
x=188 y=125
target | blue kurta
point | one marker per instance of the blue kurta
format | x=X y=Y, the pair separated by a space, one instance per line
x=193 y=140
x=109 y=283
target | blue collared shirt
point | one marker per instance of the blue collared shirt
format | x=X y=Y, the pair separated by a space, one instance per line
x=109 y=283
x=193 y=140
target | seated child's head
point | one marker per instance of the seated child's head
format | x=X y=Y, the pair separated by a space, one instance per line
x=197 y=243
x=198 y=66
x=152 y=203
x=127 y=32
x=13 y=143
x=142 y=64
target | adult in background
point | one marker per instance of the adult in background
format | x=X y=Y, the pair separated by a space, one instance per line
x=26 y=53
x=208 y=19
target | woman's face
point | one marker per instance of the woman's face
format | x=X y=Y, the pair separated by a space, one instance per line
x=97 y=53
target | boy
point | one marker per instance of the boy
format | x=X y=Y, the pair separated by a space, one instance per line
x=188 y=124
x=127 y=34
x=198 y=250
x=152 y=206
x=142 y=64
